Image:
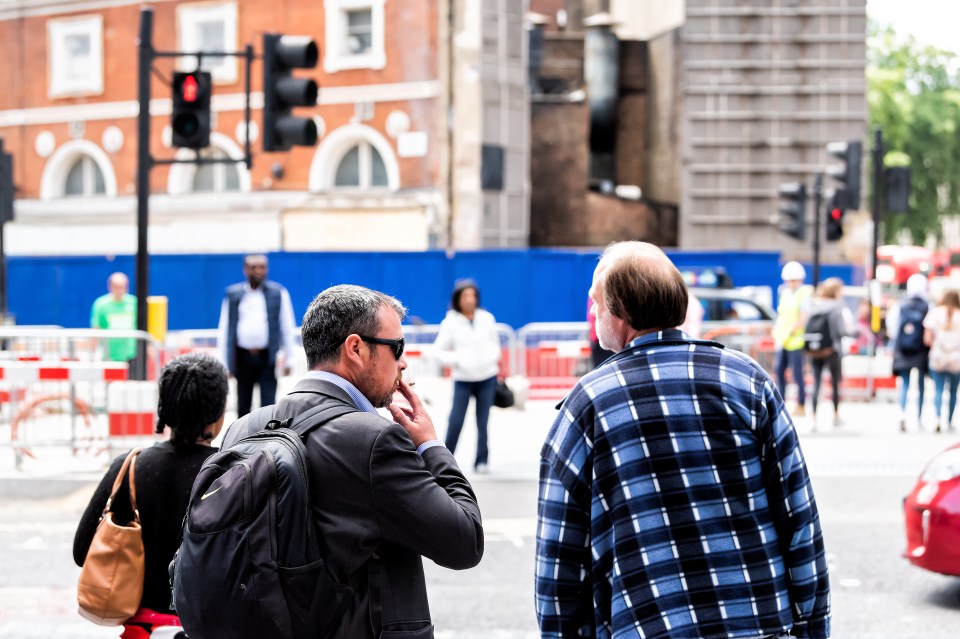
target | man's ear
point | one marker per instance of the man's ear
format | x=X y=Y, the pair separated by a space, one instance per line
x=351 y=348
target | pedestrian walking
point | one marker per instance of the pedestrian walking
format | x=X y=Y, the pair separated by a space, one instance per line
x=794 y=298
x=256 y=324
x=469 y=344
x=905 y=326
x=192 y=399
x=384 y=492
x=942 y=335
x=674 y=499
x=829 y=322
x=117 y=310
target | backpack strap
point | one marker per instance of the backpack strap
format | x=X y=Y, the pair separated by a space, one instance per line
x=307 y=422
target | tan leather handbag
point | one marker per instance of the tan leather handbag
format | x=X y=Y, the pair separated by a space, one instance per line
x=111 y=579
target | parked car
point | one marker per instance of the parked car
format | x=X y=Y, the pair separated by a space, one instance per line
x=733 y=305
x=932 y=515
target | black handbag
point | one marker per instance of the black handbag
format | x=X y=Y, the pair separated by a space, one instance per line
x=502 y=395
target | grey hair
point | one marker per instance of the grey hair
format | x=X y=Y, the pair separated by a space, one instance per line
x=341 y=311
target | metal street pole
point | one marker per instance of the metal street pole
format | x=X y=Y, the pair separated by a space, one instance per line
x=143 y=183
x=817 y=201
x=875 y=204
x=3 y=218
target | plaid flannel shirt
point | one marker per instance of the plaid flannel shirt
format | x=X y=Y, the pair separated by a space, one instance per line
x=675 y=503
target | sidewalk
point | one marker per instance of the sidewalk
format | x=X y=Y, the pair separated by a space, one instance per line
x=868 y=443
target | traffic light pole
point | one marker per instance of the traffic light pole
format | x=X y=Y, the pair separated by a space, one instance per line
x=817 y=201
x=144 y=162
x=875 y=203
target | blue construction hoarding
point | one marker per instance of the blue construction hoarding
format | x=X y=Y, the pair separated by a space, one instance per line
x=517 y=286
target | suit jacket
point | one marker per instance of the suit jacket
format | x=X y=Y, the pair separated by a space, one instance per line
x=379 y=507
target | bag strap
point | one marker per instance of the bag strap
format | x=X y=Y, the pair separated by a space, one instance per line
x=129 y=464
x=307 y=422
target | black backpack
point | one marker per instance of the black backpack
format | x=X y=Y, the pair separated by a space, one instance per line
x=249 y=563
x=910 y=335
x=817 y=338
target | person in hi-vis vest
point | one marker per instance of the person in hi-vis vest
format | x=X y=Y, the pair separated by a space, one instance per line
x=794 y=297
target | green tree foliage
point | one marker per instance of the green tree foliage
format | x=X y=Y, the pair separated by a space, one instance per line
x=913 y=93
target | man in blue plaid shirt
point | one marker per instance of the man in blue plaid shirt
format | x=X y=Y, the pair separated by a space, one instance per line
x=674 y=499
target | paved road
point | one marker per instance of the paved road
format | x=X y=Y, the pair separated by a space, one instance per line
x=861 y=472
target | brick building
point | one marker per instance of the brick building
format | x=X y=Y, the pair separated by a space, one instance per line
x=422 y=125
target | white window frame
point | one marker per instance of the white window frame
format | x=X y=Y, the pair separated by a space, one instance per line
x=333 y=147
x=53 y=181
x=188 y=15
x=335 y=19
x=60 y=85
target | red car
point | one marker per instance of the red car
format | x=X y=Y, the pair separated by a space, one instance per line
x=932 y=515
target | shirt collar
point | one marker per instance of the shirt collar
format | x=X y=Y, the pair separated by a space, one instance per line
x=358 y=398
x=657 y=336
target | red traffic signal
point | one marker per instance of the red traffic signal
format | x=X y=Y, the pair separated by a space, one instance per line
x=189 y=88
x=190 y=119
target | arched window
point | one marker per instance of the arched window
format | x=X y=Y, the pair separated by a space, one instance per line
x=361 y=167
x=84 y=178
x=216 y=178
x=78 y=168
x=354 y=157
x=223 y=177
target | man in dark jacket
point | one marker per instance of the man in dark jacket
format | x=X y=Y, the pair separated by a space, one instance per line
x=385 y=493
x=256 y=323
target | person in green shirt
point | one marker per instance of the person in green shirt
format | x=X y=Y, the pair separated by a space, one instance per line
x=116 y=310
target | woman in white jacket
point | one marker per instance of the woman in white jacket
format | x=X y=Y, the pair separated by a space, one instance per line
x=469 y=345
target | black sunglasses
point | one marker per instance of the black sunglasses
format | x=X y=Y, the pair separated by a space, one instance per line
x=395 y=344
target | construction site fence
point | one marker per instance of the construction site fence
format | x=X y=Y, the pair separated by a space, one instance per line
x=59 y=387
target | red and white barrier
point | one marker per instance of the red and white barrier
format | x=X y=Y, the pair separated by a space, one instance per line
x=132 y=408
x=36 y=371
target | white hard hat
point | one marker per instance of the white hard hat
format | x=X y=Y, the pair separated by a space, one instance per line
x=793 y=271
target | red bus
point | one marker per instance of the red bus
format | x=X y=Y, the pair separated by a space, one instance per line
x=895 y=264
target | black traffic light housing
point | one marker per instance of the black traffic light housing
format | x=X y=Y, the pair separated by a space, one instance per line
x=793 y=209
x=834 y=213
x=282 y=92
x=190 y=120
x=898 y=189
x=847 y=174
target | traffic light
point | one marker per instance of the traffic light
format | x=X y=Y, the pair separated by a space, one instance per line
x=847 y=174
x=282 y=92
x=835 y=213
x=190 y=120
x=898 y=189
x=793 y=209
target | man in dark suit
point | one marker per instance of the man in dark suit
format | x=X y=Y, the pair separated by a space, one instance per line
x=384 y=493
x=256 y=323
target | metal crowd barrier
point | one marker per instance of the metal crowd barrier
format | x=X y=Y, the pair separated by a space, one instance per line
x=58 y=388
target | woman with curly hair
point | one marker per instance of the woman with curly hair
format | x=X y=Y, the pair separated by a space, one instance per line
x=192 y=399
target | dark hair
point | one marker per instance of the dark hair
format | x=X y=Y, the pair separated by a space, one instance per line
x=338 y=312
x=458 y=288
x=642 y=286
x=193 y=395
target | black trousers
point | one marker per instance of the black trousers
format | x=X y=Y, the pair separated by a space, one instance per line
x=254 y=368
x=832 y=363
